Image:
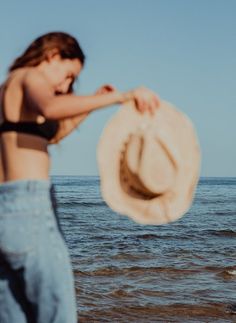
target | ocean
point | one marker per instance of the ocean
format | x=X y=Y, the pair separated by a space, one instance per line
x=184 y=271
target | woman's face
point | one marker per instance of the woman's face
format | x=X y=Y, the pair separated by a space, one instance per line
x=61 y=72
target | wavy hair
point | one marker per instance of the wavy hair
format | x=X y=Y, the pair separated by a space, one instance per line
x=67 y=46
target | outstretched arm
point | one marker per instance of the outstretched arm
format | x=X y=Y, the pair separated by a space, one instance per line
x=42 y=99
x=67 y=125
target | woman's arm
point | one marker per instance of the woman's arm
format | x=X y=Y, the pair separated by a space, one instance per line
x=66 y=126
x=41 y=97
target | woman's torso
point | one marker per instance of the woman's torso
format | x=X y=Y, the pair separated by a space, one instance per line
x=22 y=155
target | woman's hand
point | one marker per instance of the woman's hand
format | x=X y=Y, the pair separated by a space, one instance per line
x=105 y=89
x=145 y=99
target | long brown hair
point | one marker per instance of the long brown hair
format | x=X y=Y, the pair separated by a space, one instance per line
x=67 y=46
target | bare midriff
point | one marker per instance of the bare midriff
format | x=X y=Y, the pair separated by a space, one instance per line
x=23 y=156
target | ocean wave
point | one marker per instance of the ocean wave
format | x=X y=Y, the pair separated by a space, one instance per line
x=80 y=204
x=136 y=270
x=219 y=233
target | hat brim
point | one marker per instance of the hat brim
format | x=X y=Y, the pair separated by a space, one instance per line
x=177 y=130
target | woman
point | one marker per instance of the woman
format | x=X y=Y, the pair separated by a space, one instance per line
x=38 y=108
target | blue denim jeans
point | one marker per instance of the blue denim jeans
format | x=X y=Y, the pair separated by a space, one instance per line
x=36 y=277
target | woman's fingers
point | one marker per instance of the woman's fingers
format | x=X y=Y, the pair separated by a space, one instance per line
x=154 y=105
x=105 y=89
x=146 y=106
x=147 y=100
x=139 y=104
x=109 y=87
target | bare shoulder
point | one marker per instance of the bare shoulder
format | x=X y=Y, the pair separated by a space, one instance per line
x=37 y=90
x=34 y=78
x=1 y=116
x=14 y=81
x=36 y=85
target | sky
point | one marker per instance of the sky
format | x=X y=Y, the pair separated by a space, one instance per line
x=184 y=50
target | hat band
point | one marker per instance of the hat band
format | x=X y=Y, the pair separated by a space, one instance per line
x=131 y=183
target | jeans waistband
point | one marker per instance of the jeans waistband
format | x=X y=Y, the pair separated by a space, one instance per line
x=29 y=185
x=26 y=194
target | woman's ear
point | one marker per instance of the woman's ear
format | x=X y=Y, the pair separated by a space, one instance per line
x=52 y=54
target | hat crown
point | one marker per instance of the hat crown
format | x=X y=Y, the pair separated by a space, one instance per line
x=146 y=164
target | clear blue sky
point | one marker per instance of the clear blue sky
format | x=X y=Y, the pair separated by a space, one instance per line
x=185 y=50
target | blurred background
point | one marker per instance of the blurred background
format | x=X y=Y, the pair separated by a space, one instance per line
x=184 y=50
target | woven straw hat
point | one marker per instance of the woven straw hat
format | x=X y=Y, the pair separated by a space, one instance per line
x=149 y=165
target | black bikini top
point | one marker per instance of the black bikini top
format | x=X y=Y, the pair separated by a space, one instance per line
x=47 y=129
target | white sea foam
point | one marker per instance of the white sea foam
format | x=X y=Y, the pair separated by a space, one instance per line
x=232 y=272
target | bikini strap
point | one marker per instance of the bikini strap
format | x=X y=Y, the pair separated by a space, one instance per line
x=2 y=95
x=2 y=111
